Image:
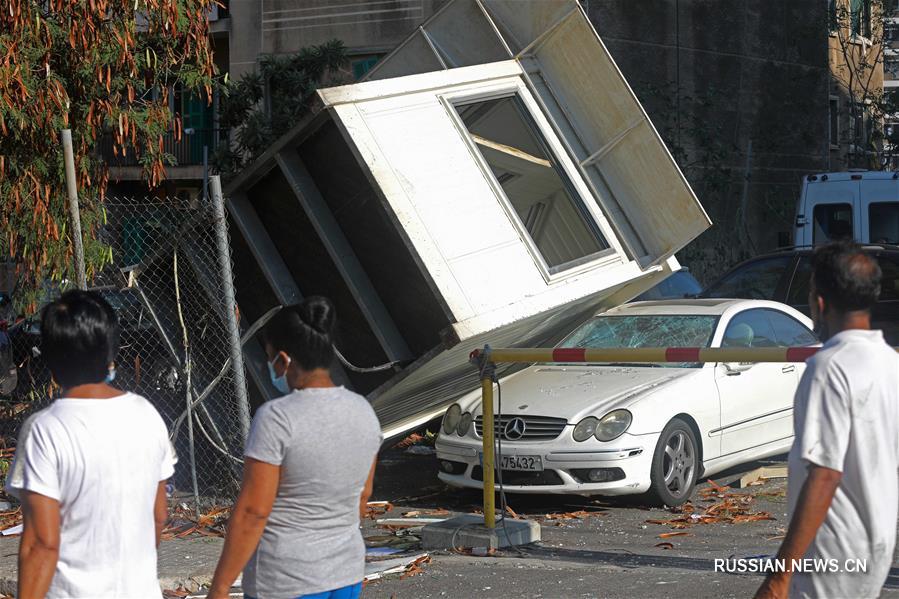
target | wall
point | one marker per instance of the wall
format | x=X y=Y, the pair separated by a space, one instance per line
x=369 y=28
x=716 y=76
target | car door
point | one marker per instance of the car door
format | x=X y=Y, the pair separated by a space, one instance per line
x=756 y=399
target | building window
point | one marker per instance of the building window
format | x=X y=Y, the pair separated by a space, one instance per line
x=860 y=17
x=364 y=65
x=834 y=121
x=544 y=204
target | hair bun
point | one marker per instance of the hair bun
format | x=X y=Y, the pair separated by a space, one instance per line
x=317 y=312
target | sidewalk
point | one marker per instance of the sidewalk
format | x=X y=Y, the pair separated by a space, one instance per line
x=188 y=563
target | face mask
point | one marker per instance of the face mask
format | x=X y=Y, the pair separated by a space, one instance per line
x=110 y=376
x=279 y=382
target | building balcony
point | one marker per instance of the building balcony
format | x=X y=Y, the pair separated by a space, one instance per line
x=187 y=152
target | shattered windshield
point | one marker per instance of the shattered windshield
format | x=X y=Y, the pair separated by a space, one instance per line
x=645 y=330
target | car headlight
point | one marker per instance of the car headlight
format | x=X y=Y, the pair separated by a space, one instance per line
x=613 y=425
x=464 y=424
x=585 y=429
x=451 y=418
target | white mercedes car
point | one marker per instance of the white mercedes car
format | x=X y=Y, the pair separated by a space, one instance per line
x=617 y=428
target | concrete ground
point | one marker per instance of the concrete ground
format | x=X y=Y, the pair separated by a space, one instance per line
x=610 y=554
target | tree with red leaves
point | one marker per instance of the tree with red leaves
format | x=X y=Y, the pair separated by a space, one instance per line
x=95 y=67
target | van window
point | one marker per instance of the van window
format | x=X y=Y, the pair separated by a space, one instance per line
x=832 y=222
x=883 y=219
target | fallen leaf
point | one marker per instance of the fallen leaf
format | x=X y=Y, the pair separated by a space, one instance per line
x=665 y=545
x=667 y=535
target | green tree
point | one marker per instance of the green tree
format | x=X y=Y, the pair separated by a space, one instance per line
x=262 y=105
x=93 y=66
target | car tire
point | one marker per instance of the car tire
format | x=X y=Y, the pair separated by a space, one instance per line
x=675 y=465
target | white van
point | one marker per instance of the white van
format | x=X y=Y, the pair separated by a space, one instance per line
x=863 y=205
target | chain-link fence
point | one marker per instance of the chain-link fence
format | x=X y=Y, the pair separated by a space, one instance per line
x=168 y=279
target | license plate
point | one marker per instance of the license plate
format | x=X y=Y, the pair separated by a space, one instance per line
x=525 y=463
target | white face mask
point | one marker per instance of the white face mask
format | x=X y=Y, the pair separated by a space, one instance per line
x=279 y=382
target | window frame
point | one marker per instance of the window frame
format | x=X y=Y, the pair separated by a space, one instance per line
x=769 y=311
x=833 y=117
x=814 y=221
x=575 y=183
x=731 y=320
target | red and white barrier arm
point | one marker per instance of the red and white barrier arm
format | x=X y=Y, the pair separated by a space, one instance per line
x=648 y=354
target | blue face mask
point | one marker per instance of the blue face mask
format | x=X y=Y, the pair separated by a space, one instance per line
x=110 y=376
x=279 y=382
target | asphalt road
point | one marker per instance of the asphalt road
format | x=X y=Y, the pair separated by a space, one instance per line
x=612 y=554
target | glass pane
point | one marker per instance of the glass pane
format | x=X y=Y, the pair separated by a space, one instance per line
x=798 y=295
x=756 y=280
x=749 y=329
x=889 y=284
x=884 y=222
x=832 y=222
x=645 y=331
x=789 y=332
x=534 y=184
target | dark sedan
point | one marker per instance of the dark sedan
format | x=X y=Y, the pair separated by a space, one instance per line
x=783 y=276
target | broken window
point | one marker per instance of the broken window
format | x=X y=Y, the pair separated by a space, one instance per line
x=535 y=186
x=645 y=330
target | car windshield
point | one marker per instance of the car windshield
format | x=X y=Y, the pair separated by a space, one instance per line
x=645 y=330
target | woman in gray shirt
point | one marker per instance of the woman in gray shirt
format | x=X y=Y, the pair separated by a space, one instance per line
x=309 y=466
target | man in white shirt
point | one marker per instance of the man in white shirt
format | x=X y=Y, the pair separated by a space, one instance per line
x=90 y=469
x=842 y=488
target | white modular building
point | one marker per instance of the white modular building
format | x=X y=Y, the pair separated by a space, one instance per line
x=493 y=180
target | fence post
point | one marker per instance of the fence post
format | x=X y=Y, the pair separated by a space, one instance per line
x=74 y=212
x=227 y=277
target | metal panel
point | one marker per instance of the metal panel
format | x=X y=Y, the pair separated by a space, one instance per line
x=344 y=258
x=264 y=250
x=521 y=28
x=626 y=153
x=464 y=36
x=415 y=55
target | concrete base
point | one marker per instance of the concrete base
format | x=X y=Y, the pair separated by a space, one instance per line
x=468 y=531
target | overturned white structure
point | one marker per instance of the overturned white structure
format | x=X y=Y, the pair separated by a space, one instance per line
x=494 y=180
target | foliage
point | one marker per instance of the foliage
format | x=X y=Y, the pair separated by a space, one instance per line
x=856 y=30
x=263 y=105
x=93 y=66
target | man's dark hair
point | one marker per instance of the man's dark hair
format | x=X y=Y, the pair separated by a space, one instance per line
x=305 y=332
x=846 y=277
x=79 y=338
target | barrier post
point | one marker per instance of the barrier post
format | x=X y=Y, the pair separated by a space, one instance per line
x=488 y=465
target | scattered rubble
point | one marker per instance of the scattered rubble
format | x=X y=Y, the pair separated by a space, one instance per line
x=726 y=506
x=183 y=522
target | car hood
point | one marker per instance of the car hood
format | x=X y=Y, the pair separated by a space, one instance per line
x=572 y=392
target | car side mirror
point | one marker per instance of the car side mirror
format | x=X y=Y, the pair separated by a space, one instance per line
x=735 y=368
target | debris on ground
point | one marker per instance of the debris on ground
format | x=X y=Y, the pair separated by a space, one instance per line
x=668 y=535
x=409 y=565
x=373 y=509
x=760 y=476
x=664 y=545
x=560 y=518
x=433 y=513
x=416 y=444
x=11 y=522
x=726 y=506
x=183 y=522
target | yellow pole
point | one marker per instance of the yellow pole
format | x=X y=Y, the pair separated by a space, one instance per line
x=487 y=407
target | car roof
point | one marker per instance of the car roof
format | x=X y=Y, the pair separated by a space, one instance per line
x=680 y=307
